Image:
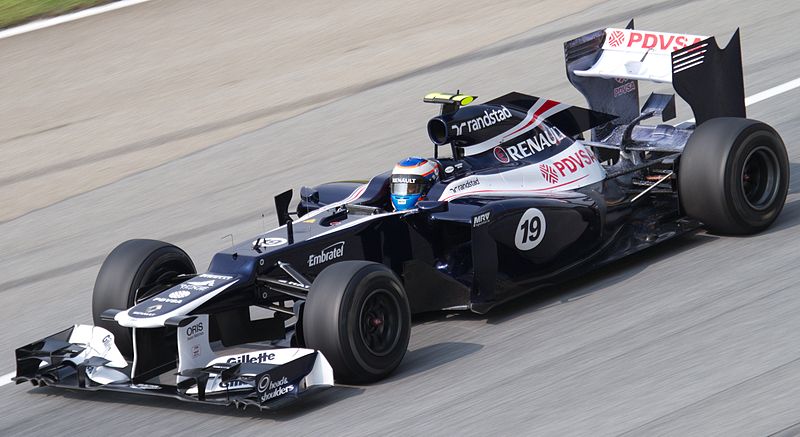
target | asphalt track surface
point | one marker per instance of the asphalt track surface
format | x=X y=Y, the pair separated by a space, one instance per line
x=696 y=337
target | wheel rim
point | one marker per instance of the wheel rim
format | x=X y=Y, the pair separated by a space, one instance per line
x=379 y=322
x=760 y=178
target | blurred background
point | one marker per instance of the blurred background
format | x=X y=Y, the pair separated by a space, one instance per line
x=179 y=120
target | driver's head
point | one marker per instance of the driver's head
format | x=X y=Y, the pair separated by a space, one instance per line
x=411 y=179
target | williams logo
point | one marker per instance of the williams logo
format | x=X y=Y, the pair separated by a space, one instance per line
x=179 y=294
x=174 y=297
x=335 y=250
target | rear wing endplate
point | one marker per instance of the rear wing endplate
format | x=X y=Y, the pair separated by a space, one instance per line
x=710 y=79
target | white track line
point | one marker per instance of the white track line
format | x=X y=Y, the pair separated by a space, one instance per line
x=755 y=98
x=764 y=95
x=41 y=24
x=772 y=92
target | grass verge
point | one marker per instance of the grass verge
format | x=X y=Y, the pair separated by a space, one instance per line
x=16 y=12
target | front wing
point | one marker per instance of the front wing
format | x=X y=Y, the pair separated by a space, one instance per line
x=85 y=357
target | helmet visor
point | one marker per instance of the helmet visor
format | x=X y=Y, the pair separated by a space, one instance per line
x=404 y=185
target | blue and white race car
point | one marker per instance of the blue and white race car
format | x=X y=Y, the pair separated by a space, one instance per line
x=522 y=201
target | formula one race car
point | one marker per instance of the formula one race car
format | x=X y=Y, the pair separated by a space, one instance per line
x=523 y=202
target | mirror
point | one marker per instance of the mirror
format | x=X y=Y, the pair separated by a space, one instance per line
x=432 y=206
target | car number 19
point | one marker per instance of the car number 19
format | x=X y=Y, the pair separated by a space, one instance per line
x=530 y=231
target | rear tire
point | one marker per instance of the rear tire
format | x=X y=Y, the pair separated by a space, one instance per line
x=131 y=265
x=357 y=315
x=734 y=175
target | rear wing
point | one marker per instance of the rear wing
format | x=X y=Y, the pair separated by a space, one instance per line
x=605 y=66
x=638 y=55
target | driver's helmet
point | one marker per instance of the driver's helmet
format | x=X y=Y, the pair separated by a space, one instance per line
x=411 y=179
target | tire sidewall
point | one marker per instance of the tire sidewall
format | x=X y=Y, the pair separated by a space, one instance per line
x=710 y=175
x=758 y=135
x=131 y=265
x=164 y=263
x=331 y=319
x=362 y=285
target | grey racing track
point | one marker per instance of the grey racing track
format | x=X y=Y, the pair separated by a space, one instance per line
x=696 y=337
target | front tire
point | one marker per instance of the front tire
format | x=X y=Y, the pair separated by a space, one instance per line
x=357 y=314
x=734 y=175
x=130 y=266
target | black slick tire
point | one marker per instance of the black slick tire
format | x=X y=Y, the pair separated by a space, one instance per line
x=734 y=175
x=357 y=314
x=130 y=266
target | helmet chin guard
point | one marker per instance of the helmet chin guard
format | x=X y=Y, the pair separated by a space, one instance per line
x=402 y=203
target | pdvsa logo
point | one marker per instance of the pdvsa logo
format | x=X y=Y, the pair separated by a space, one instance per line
x=552 y=171
x=661 y=41
x=644 y=40
x=616 y=38
x=548 y=173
